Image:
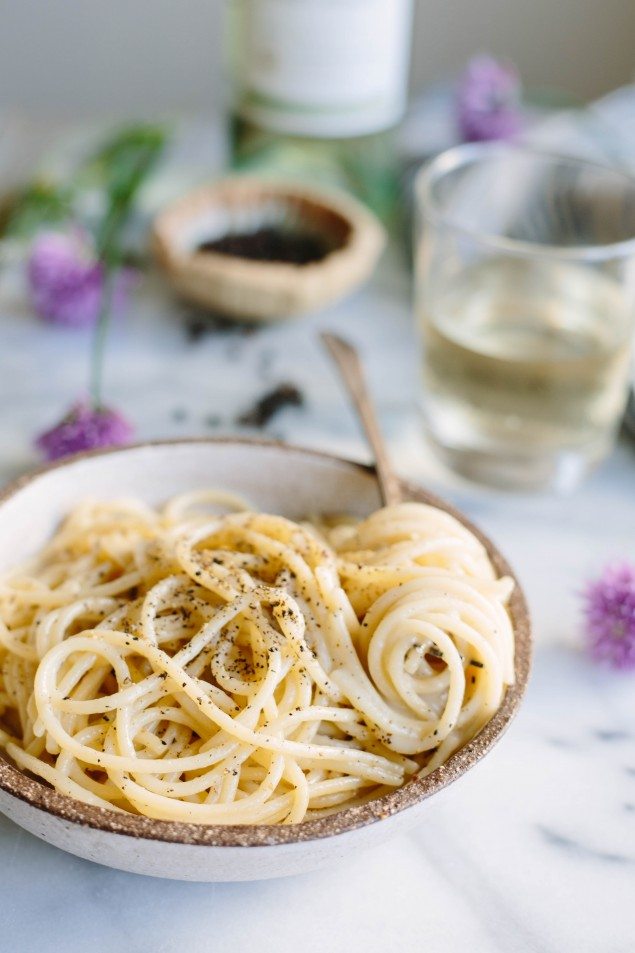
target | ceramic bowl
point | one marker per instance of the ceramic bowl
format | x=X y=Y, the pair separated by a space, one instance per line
x=262 y=290
x=273 y=477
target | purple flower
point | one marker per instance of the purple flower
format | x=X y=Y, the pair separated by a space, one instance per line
x=66 y=280
x=488 y=101
x=85 y=428
x=610 y=616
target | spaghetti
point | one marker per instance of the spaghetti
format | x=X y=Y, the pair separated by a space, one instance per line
x=245 y=669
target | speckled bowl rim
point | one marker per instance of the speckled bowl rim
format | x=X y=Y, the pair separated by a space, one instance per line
x=37 y=794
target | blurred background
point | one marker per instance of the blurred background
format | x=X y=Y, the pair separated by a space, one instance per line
x=76 y=59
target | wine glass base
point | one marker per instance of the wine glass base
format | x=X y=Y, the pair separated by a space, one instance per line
x=559 y=471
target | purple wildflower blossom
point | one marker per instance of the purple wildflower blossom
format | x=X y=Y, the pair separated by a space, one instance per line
x=488 y=101
x=66 y=280
x=610 y=616
x=85 y=428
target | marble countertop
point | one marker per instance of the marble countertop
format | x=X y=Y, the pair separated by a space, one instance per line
x=534 y=852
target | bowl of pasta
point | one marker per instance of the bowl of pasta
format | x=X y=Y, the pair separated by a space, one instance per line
x=224 y=660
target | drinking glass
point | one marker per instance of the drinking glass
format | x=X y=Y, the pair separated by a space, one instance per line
x=525 y=297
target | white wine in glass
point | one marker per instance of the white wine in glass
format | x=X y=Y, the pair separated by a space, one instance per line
x=526 y=347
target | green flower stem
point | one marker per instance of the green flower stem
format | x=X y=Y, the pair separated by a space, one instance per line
x=125 y=164
x=99 y=336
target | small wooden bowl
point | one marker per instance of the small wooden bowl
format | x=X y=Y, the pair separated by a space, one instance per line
x=276 y=478
x=261 y=290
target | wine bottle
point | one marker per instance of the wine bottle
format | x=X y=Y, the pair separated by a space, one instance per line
x=318 y=88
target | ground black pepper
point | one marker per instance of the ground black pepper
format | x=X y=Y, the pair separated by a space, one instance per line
x=267 y=406
x=272 y=244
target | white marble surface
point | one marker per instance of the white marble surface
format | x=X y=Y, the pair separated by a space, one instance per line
x=535 y=850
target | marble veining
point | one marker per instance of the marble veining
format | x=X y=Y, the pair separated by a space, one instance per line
x=534 y=850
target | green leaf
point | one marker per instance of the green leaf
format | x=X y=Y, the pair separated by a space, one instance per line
x=117 y=169
x=37 y=205
x=120 y=167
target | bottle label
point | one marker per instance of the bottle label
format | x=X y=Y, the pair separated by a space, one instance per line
x=325 y=68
